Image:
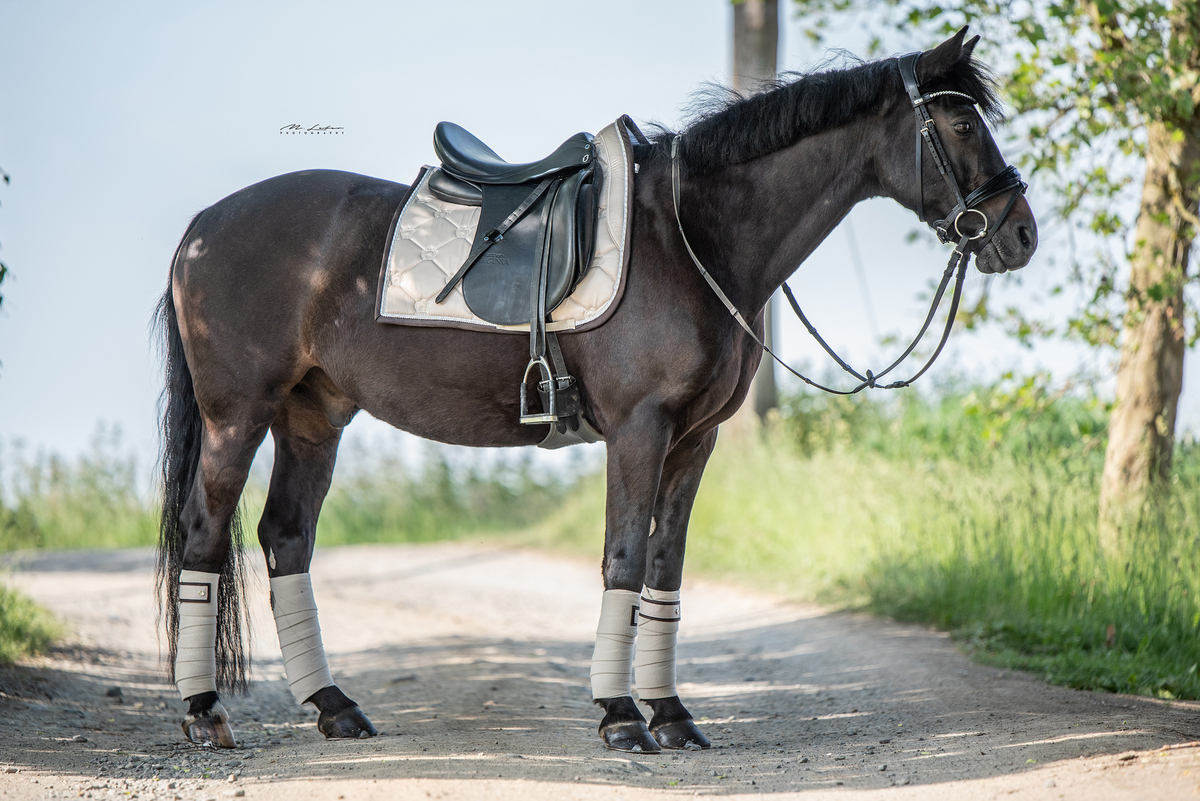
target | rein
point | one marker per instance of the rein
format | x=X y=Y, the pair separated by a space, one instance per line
x=1007 y=180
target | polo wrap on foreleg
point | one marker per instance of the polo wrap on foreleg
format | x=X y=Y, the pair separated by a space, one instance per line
x=295 y=610
x=612 y=662
x=658 y=631
x=196 y=648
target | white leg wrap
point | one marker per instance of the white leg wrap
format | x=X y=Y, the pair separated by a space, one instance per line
x=658 y=630
x=295 y=611
x=196 y=649
x=612 y=662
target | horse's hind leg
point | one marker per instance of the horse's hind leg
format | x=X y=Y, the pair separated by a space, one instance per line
x=654 y=667
x=305 y=450
x=209 y=649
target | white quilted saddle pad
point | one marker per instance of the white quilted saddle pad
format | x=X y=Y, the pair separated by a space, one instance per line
x=430 y=240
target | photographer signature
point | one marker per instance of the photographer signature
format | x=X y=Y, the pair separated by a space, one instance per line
x=312 y=129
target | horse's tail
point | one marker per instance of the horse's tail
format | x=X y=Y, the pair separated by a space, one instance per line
x=182 y=431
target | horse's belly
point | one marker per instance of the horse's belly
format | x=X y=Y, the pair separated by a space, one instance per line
x=457 y=387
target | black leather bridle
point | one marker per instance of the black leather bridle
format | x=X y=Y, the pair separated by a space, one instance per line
x=1007 y=180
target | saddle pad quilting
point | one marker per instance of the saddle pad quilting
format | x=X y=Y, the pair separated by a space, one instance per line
x=431 y=239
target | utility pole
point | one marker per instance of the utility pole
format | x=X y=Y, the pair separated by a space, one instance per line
x=756 y=60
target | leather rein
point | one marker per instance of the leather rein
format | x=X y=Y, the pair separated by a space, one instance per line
x=1007 y=180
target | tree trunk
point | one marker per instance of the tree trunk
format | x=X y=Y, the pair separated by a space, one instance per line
x=1141 y=434
x=755 y=60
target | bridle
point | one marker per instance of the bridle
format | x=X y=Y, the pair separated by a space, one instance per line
x=1007 y=180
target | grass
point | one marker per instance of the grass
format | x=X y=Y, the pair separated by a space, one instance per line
x=96 y=501
x=973 y=510
x=25 y=627
x=92 y=502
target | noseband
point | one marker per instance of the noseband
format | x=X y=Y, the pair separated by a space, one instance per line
x=1007 y=180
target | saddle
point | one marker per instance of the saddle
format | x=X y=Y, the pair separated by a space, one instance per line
x=536 y=222
x=532 y=245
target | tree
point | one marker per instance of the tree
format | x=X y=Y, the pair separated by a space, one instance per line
x=3 y=267
x=755 y=62
x=1106 y=93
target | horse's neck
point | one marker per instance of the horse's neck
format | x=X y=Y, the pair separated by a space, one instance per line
x=767 y=216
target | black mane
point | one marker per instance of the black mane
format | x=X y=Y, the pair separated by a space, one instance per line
x=731 y=129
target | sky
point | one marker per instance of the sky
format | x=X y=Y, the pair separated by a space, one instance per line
x=119 y=121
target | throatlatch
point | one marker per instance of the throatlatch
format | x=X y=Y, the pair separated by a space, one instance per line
x=304 y=660
x=196 y=648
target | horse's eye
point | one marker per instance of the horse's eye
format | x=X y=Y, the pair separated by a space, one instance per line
x=962 y=127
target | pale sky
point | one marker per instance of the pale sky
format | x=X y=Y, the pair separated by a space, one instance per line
x=121 y=120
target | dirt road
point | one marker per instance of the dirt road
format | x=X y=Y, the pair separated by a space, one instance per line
x=473 y=663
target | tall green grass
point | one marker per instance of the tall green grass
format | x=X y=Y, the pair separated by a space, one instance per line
x=382 y=499
x=973 y=509
x=24 y=626
x=1003 y=547
x=94 y=501
x=100 y=500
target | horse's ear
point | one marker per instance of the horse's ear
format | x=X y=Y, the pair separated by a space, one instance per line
x=938 y=61
x=969 y=47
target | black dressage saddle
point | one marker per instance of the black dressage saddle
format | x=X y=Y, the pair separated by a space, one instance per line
x=537 y=221
x=534 y=241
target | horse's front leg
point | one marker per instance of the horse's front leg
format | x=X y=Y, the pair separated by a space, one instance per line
x=635 y=459
x=658 y=628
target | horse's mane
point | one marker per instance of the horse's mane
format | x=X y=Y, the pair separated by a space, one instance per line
x=727 y=128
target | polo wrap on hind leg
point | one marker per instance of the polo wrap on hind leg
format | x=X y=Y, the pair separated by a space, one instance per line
x=295 y=610
x=196 y=648
x=612 y=661
x=658 y=631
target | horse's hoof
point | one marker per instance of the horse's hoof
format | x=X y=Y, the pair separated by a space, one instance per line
x=631 y=736
x=210 y=728
x=349 y=724
x=681 y=735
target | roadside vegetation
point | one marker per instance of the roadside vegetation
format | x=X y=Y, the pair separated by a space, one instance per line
x=973 y=509
x=102 y=500
x=24 y=626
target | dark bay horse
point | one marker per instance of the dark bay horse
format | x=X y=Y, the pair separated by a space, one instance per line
x=269 y=325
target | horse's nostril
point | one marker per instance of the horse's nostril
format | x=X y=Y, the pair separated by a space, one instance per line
x=1026 y=236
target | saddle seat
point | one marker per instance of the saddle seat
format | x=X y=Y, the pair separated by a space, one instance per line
x=463 y=155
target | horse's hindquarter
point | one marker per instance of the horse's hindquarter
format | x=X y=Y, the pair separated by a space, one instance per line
x=280 y=278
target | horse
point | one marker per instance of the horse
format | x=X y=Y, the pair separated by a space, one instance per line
x=269 y=325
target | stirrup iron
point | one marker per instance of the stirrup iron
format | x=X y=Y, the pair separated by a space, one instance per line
x=551 y=414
